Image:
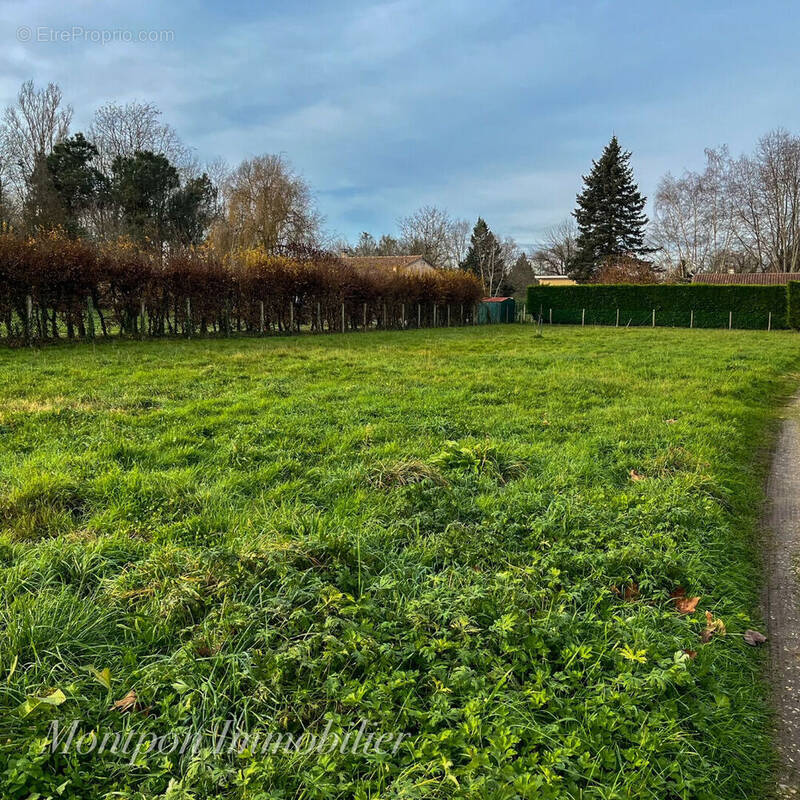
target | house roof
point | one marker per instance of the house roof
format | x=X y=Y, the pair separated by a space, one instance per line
x=392 y=263
x=747 y=278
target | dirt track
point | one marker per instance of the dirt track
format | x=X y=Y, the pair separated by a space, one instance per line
x=782 y=598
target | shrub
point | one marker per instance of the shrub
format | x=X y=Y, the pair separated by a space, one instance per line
x=793 y=298
x=73 y=285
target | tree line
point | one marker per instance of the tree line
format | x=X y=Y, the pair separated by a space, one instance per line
x=129 y=178
x=736 y=215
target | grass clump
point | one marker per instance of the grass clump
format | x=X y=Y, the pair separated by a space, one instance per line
x=404 y=473
x=472 y=536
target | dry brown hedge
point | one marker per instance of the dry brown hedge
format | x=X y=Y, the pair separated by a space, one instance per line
x=77 y=290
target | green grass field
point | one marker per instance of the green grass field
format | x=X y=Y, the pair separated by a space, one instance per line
x=469 y=536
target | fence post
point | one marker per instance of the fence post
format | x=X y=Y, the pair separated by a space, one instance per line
x=448 y=315
x=524 y=312
x=142 y=320
x=384 y=316
x=551 y=316
x=617 y=325
x=434 y=315
x=474 y=313
x=291 y=316
x=188 y=318
x=261 y=317
x=419 y=315
x=769 y=321
x=730 y=320
x=90 y=316
x=583 y=317
x=319 y=317
x=654 y=318
x=403 y=316
x=342 y=317
x=462 y=313
x=28 y=318
x=365 y=317
x=691 y=319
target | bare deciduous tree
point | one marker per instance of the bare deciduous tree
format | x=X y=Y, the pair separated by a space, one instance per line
x=29 y=130
x=427 y=232
x=552 y=256
x=693 y=224
x=458 y=237
x=765 y=190
x=122 y=130
x=267 y=205
x=741 y=215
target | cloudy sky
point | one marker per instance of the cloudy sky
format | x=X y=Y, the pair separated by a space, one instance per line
x=491 y=107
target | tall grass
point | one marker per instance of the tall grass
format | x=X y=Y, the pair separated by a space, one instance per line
x=470 y=536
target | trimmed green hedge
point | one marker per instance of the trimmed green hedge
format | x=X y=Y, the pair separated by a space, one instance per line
x=794 y=304
x=676 y=305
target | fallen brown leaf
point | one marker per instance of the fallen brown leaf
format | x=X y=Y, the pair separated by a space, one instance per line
x=671 y=421
x=684 y=604
x=127 y=703
x=713 y=628
x=754 y=638
x=631 y=592
x=635 y=476
x=691 y=653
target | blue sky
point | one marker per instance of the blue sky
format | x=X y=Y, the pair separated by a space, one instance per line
x=491 y=108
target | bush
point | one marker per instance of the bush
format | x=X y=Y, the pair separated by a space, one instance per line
x=74 y=286
x=679 y=305
x=793 y=298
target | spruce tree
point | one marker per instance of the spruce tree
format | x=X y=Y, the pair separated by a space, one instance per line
x=485 y=257
x=519 y=277
x=610 y=213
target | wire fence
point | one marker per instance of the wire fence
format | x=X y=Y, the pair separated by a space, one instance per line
x=38 y=324
x=639 y=318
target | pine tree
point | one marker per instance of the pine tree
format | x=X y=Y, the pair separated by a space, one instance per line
x=485 y=257
x=519 y=277
x=610 y=213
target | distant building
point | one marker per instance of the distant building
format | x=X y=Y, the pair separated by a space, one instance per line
x=746 y=278
x=414 y=264
x=555 y=280
x=496 y=309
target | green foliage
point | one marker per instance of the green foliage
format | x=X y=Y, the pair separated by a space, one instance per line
x=78 y=184
x=793 y=301
x=673 y=304
x=42 y=208
x=143 y=186
x=402 y=528
x=485 y=255
x=610 y=213
x=191 y=210
x=520 y=276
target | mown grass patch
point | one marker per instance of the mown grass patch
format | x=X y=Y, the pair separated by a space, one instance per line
x=470 y=536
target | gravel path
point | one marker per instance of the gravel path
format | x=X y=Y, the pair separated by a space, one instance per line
x=782 y=522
